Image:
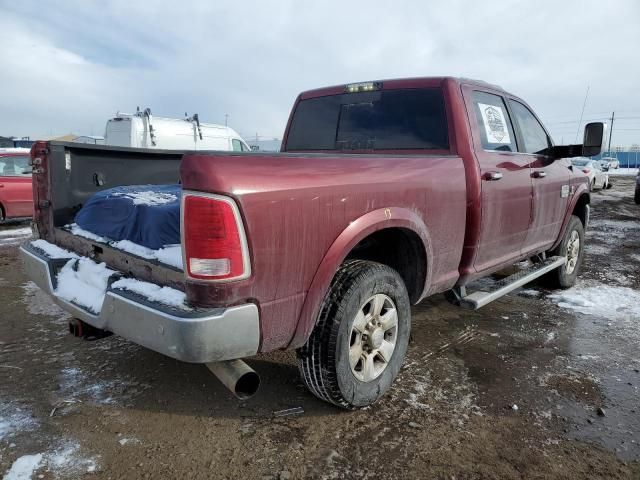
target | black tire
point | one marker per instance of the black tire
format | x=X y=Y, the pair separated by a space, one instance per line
x=324 y=360
x=636 y=197
x=560 y=278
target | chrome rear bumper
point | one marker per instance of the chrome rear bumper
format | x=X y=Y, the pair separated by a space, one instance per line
x=197 y=336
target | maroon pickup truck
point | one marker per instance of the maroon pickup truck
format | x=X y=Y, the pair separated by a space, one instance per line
x=384 y=193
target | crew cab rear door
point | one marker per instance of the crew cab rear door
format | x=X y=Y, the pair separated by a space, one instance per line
x=550 y=179
x=505 y=179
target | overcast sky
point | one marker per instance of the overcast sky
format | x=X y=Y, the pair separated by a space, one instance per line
x=68 y=66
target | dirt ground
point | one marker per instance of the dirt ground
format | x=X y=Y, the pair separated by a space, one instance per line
x=511 y=391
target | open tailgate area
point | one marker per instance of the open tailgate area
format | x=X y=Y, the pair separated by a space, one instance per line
x=67 y=174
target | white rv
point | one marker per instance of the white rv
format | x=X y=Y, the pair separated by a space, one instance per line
x=142 y=130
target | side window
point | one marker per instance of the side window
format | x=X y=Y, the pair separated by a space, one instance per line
x=534 y=136
x=15 y=166
x=237 y=145
x=495 y=126
x=244 y=147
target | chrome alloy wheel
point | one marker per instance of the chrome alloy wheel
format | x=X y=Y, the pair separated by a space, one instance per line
x=373 y=337
x=573 y=252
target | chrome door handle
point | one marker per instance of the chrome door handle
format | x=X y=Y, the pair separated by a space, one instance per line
x=539 y=174
x=492 y=176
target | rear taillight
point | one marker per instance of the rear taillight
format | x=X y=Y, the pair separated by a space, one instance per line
x=215 y=246
x=586 y=170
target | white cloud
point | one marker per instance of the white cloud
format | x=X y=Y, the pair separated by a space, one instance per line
x=68 y=67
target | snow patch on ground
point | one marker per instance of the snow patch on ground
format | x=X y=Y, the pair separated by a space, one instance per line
x=602 y=300
x=16 y=232
x=169 y=254
x=24 y=467
x=415 y=399
x=74 y=384
x=77 y=385
x=53 y=251
x=14 y=420
x=148 y=198
x=65 y=461
x=14 y=236
x=619 y=225
x=84 y=282
x=593 y=249
x=529 y=292
x=128 y=441
x=155 y=293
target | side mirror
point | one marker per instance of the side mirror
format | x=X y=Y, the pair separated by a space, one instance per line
x=593 y=138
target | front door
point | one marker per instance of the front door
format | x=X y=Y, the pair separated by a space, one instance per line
x=505 y=180
x=550 y=180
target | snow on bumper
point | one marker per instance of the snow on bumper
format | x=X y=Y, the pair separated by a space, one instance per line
x=197 y=336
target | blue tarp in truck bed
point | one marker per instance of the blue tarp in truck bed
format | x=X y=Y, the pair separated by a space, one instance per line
x=148 y=215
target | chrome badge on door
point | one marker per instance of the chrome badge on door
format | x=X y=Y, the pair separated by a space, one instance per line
x=564 y=193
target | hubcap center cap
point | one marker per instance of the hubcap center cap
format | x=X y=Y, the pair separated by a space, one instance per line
x=376 y=338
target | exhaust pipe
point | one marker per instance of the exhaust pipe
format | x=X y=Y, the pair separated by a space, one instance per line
x=237 y=376
x=78 y=328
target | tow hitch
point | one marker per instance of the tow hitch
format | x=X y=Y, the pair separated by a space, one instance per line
x=78 y=328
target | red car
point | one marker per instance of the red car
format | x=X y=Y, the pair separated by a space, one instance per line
x=16 y=194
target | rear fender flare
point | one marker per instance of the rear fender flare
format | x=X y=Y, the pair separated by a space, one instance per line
x=357 y=230
x=581 y=190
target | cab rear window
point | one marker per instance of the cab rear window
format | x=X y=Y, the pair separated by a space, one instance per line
x=401 y=119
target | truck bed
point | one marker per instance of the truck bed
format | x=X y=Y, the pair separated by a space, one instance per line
x=71 y=173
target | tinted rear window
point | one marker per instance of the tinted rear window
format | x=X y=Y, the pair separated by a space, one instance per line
x=383 y=120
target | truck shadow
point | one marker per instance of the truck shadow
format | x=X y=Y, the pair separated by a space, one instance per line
x=191 y=389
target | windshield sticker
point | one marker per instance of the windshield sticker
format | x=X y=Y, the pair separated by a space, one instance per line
x=495 y=124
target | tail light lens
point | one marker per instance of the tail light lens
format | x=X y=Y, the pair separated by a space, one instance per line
x=586 y=170
x=215 y=246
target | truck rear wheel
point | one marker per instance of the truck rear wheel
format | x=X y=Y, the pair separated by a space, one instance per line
x=360 y=339
x=572 y=247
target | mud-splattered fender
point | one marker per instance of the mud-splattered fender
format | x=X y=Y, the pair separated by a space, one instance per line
x=581 y=189
x=391 y=217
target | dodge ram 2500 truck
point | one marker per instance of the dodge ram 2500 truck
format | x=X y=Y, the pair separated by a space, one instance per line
x=385 y=193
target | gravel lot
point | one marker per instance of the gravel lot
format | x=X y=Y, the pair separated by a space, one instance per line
x=531 y=386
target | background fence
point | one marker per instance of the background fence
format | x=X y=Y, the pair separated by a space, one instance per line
x=626 y=159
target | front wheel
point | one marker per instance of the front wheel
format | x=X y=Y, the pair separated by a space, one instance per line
x=571 y=247
x=361 y=336
x=636 y=198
